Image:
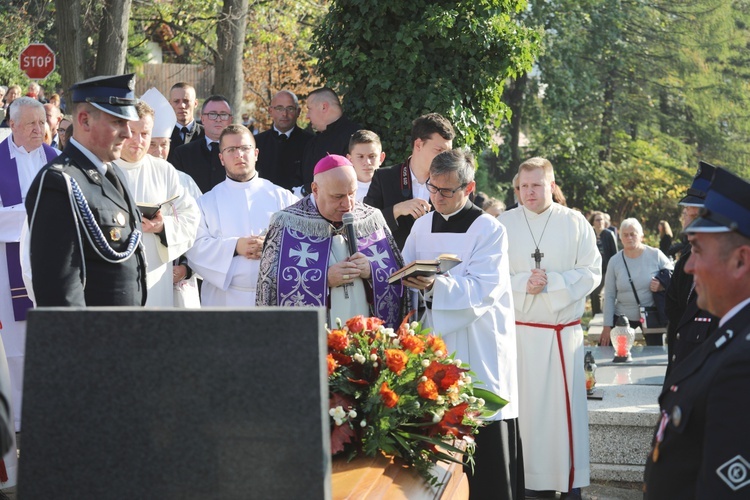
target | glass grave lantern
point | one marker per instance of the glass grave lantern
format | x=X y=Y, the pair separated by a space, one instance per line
x=622 y=337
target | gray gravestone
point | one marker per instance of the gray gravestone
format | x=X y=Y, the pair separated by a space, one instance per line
x=175 y=404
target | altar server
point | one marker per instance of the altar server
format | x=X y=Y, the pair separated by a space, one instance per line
x=171 y=231
x=554 y=265
x=234 y=220
x=471 y=306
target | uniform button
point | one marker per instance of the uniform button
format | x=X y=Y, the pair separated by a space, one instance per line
x=674 y=356
x=676 y=416
x=678 y=336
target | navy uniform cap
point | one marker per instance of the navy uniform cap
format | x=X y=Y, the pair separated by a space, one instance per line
x=112 y=94
x=696 y=194
x=727 y=206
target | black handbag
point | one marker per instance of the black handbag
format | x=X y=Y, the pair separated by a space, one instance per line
x=650 y=317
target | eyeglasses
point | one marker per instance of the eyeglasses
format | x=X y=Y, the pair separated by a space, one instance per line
x=213 y=115
x=61 y=131
x=288 y=109
x=444 y=192
x=231 y=150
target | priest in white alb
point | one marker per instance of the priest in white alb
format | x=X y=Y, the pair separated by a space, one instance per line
x=471 y=306
x=554 y=265
x=234 y=220
x=22 y=156
x=171 y=231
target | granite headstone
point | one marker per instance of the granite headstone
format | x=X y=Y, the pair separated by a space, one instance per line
x=175 y=404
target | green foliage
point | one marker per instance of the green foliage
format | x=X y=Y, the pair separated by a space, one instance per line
x=394 y=61
x=629 y=95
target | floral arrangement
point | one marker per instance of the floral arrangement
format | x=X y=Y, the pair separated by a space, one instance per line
x=400 y=393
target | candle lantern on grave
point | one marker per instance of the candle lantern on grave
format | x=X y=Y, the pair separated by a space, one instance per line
x=622 y=337
x=589 y=366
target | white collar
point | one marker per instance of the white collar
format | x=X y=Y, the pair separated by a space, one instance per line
x=733 y=311
x=99 y=164
x=288 y=133
x=209 y=141
x=233 y=184
x=446 y=217
x=18 y=150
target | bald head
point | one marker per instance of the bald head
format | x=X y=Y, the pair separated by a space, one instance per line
x=335 y=192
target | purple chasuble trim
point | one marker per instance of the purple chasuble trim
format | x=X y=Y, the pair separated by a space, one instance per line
x=302 y=278
x=386 y=297
x=10 y=192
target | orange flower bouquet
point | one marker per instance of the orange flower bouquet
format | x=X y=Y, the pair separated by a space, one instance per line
x=402 y=394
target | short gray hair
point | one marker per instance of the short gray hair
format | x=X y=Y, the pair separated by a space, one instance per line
x=460 y=161
x=632 y=223
x=24 y=102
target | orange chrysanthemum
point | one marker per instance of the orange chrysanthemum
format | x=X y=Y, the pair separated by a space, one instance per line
x=390 y=398
x=444 y=375
x=332 y=365
x=396 y=360
x=356 y=324
x=413 y=343
x=428 y=389
x=437 y=344
x=452 y=422
x=338 y=340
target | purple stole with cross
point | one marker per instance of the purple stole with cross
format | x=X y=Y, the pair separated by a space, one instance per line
x=303 y=267
x=10 y=192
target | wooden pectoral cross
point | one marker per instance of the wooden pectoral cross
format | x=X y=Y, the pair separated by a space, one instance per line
x=537 y=255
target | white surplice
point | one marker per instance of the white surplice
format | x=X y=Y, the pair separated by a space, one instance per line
x=12 y=222
x=186 y=294
x=232 y=210
x=153 y=180
x=472 y=304
x=573 y=266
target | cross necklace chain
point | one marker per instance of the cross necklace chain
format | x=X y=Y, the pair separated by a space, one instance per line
x=537 y=255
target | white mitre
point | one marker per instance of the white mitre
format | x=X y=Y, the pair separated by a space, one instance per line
x=164 y=117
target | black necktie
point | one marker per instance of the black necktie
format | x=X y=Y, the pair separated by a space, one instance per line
x=185 y=133
x=112 y=177
x=282 y=137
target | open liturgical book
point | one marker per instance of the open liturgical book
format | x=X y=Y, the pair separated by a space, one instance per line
x=148 y=210
x=443 y=263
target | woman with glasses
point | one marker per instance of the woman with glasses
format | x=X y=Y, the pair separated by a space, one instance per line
x=631 y=281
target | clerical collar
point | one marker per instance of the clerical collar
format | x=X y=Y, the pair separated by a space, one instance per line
x=457 y=222
x=288 y=133
x=465 y=207
x=99 y=164
x=530 y=214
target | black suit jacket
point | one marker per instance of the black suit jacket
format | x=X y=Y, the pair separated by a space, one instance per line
x=176 y=141
x=334 y=140
x=66 y=269
x=706 y=399
x=280 y=161
x=386 y=190
x=196 y=160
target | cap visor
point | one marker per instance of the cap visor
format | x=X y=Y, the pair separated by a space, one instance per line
x=124 y=112
x=692 y=201
x=703 y=225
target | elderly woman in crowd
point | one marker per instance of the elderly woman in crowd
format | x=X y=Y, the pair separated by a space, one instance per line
x=638 y=264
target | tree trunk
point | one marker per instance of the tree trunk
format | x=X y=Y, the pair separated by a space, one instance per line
x=113 y=37
x=229 y=79
x=608 y=117
x=70 y=43
x=515 y=100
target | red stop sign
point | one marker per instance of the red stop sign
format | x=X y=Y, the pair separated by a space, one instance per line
x=37 y=61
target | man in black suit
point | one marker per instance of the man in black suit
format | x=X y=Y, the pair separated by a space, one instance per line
x=84 y=226
x=400 y=191
x=332 y=131
x=186 y=130
x=280 y=149
x=200 y=159
x=701 y=447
